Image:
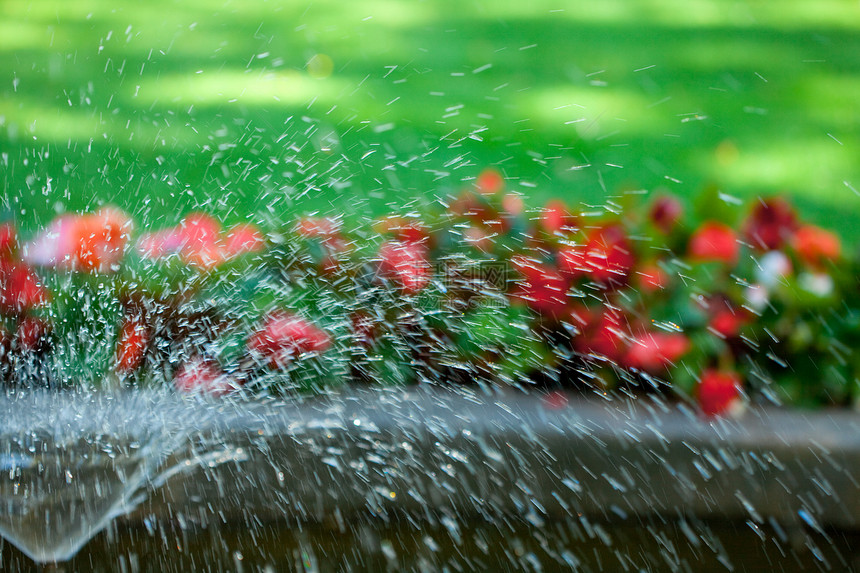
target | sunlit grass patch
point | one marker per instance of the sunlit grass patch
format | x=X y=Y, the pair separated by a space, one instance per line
x=806 y=167
x=74 y=126
x=208 y=87
x=695 y=13
x=15 y=35
x=592 y=113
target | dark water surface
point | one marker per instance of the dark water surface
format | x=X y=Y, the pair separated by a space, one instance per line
x=573 y=545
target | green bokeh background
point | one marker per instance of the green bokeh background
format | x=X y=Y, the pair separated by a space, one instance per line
x=256 y=109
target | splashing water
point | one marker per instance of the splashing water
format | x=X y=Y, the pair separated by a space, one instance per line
x=376 y=478
x=256 y=115
x=72 y=462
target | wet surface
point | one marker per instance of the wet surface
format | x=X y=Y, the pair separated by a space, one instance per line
x=576 y=544
x=467 y=479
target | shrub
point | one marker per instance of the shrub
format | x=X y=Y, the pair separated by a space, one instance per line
x=635 y=300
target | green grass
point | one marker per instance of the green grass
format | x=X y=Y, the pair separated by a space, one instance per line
x=165 y=106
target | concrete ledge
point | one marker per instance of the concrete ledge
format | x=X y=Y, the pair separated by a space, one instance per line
x=426 y=478
x=430 y=451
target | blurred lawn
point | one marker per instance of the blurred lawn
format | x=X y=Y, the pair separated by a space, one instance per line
x=248 y=107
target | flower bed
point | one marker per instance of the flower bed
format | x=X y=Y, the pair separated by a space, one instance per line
x=726 y=305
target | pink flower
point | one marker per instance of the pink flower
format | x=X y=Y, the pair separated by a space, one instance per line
x=284 y=336
x=243 y=239
x=200 y=376
x=200 y=239
x=405 y=264
x=513 y=204
x=479 y=238
x=158 y=244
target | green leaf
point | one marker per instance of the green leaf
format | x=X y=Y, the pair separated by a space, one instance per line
x=712 y=205
x=494 y=328
x=85 y=313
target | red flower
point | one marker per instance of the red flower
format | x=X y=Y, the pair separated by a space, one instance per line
x=101 y=240
x=555 y=401
x=815 y=246
x=91 y=242
x=557 y=219
x=199 y=234
x=318 y=227
x=325 y=233
x=405 y=264
x=610 y=255
x=20 y=288
x=771 y=223
x=489 y=182
x=714 y=242
x=572 y=261
x=364 y=329
x=8 y=241
x=603 y=334
x=666 y=212
x=403 y=229
x=204 y=377
x=653 y=352
x=478 y=210
x=284 y=336
x=542 y=288
x=133 y=340
x=607 y=257
x=727 y=321
x=652 y=278
x=718 y=391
